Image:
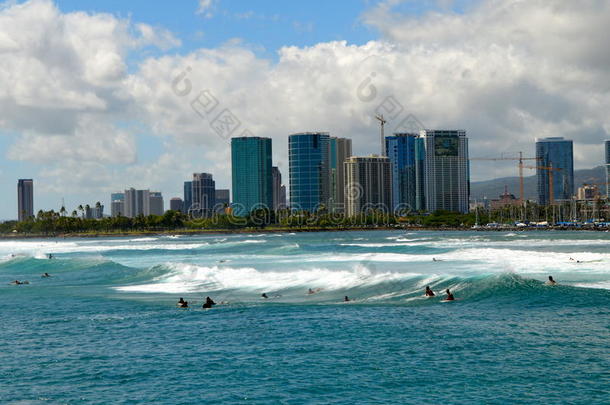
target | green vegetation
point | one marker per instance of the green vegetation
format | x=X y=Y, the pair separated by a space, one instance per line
x=47 y=223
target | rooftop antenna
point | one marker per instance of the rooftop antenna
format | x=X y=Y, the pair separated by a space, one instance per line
x=382 y=122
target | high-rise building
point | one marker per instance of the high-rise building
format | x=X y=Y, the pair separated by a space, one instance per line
x=282 y=196
x=204 y=194
x=555 y=153
x=420 y=179
x=446 y=170
x=309 y=160
x=251 y=174
x=405 y=155
x=279 y=190
x=607 y=147
x=136 y=202
x=223 y=200
x=340 y=150
x=94 y=211
x=25 y=199
x=117 y=204
x=188 y=196
x=176 y=204
x=368 y=184
x=155 y=204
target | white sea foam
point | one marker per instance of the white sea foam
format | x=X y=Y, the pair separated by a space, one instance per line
x=191 y=278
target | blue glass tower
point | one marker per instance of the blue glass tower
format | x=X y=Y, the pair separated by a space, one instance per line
x=309 y=160
x=557 y=153
x=404 y=156
x=251 y=173
x=204 y=194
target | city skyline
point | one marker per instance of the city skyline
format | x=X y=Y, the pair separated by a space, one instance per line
x=424 y=156
x=117 y=111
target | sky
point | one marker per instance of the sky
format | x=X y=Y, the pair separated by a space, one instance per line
x=98 y=96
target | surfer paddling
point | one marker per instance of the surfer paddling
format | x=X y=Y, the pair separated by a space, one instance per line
x=551 y=281
x=449 y=296
x=208 y=303
x=182 y=303
x=429 y=292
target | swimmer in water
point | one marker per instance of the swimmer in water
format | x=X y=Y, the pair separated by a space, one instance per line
x=208 y=303
x=429 y=292
x=182 y=303
x=551 y=281
x=449 y=296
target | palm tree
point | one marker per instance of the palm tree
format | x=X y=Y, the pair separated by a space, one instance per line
x=80 y=208
x=74 y=214
x=62 y=211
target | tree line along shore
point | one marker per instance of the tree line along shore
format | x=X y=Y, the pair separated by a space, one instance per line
x=52 y=223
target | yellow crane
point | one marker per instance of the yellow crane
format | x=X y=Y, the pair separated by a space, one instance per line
x=550 y=169
x=520 y=160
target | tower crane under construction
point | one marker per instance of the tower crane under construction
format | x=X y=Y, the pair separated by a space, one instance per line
x=521 y=166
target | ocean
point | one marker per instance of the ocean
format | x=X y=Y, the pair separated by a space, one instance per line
x=105 y=328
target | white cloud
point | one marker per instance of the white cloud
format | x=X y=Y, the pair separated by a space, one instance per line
x=205 y=8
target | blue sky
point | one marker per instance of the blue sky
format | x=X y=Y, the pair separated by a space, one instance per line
x=86 y=104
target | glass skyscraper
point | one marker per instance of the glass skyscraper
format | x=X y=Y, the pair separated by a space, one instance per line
x=309 y=160
x=405 y=156
x=555 y=152
x=446 y=170
x=203 y=194
x=251 y=173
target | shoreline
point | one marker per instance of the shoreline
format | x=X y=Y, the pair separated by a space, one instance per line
x=197 y=232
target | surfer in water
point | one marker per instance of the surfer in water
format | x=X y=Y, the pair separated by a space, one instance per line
x=346 y=299
x=264 y=295
x=208 y=303
x=182 y=303
x=551 y=281
x=450 y=296
x=17 y=282
x=429 y=292
x=45 y=275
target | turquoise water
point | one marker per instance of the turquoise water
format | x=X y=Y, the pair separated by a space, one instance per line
x=105 y=328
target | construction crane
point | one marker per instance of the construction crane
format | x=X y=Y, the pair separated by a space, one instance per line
x=520 y=159
x=550 y=169
x=382 y=122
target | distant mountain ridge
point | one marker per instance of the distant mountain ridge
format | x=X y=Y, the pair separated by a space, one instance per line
x=492 y=189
